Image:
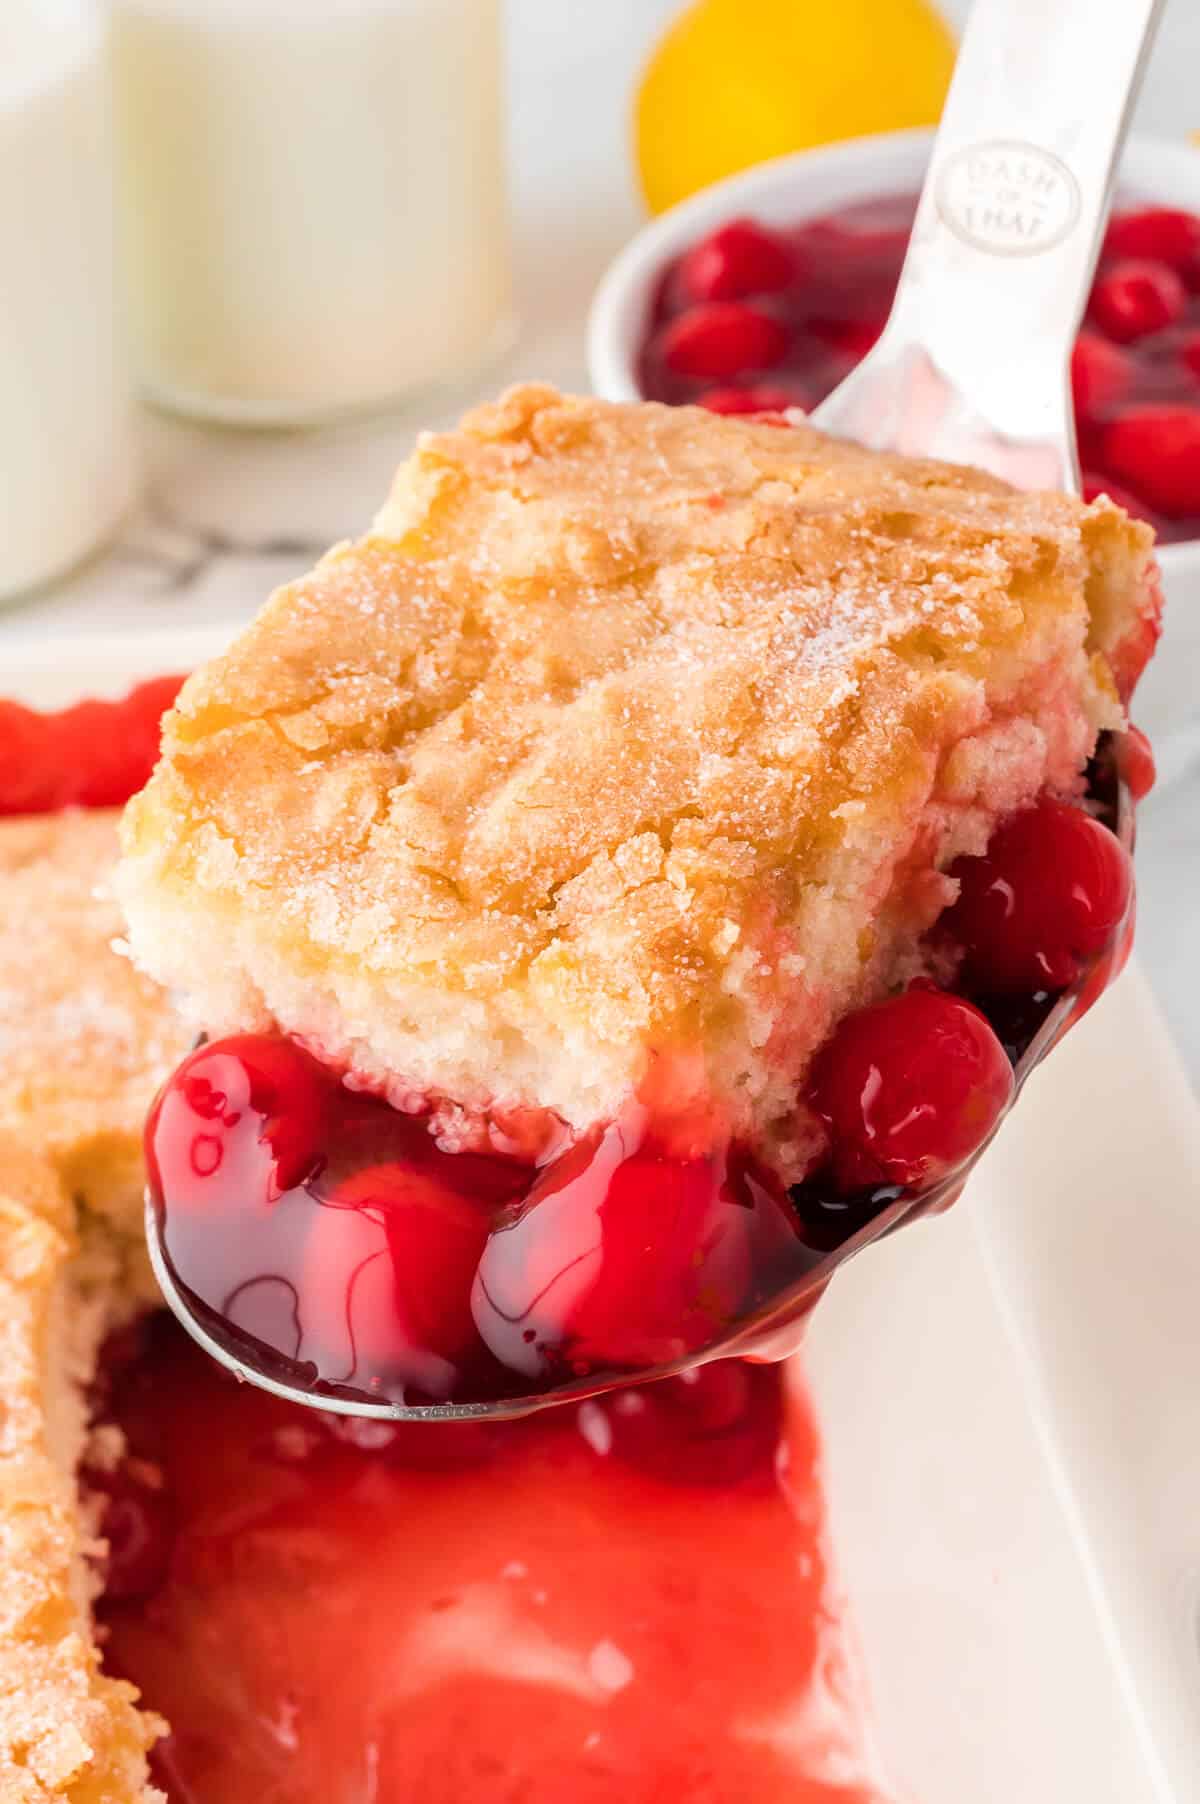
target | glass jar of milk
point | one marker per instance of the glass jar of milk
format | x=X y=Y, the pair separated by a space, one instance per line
x=66 y=462
x=313 y=200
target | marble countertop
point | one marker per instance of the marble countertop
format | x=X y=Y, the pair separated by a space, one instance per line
x=227 y=515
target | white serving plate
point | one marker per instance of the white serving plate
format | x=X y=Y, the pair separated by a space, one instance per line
x=1010 y=1398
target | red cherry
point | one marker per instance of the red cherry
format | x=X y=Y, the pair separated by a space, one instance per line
x=1095 y=484
x=739 y=259
x=624 y=1257
x=1135 y=761
x=1156 y=449
x=1163 y=234
x=144 y=709
x=761 y=399
x=317 y=1226
x=34 y=778
x=136 y=1522
x=1187 y=349
x=108 y=754
x=909 y=1088
x=231 y=1137
x=117 y=745
x=1100 y=375
x=720 y=339
x=240 y=1122
x=151 y=700
x=92 y=755
x=1047 y=896
x=1133 y=299
x=385 y=1293
x=852 y=338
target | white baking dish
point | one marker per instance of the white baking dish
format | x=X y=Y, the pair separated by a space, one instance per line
x=1011 y=1406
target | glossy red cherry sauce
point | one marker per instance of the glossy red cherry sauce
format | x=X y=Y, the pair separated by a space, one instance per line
x=95 y=754
x=756 y=319
x=622 y=1602
x=324 y=1238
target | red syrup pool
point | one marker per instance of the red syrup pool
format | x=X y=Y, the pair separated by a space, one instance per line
x=625 y=1600
x=94 y=754
x=755 y=318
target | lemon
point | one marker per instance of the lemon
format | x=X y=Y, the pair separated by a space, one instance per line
x=736 y=81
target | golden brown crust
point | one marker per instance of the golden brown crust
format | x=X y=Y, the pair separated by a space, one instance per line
x=68 y=1733
x=621 y=729
x=85 y=1039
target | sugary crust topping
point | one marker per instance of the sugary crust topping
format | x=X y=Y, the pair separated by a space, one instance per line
x=598 y=728
x=67 y=1731
x=85 y=1039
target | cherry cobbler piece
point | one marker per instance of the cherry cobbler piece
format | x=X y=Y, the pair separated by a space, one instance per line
x=628 y=856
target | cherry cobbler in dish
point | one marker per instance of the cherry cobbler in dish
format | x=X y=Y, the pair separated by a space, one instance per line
x=615 y=876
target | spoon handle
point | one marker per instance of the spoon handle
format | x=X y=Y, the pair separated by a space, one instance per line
x=1005 y=241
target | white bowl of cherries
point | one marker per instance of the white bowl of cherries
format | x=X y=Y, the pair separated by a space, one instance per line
x=763 y=291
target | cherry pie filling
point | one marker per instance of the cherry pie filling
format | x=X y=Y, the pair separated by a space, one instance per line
x=94 y=754
x=326 y=1238
x=756 y=319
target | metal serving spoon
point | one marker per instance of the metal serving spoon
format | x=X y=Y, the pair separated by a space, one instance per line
x=972 y=367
